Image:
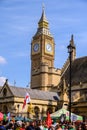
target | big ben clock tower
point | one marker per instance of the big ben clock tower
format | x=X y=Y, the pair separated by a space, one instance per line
x=42 y=57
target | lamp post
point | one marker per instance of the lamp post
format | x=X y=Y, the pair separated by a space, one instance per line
x=70 y=50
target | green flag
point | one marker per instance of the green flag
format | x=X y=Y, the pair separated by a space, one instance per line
x=4 y=117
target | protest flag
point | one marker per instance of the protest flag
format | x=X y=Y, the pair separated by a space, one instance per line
x=26 y=100
x=48 y=120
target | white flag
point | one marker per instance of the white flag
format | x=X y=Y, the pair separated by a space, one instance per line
x=26 y=100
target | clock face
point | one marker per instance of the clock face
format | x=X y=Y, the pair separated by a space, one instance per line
x=49 y=47
x=36 y=47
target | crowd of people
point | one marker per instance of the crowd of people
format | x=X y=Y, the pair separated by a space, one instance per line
x=41 y=125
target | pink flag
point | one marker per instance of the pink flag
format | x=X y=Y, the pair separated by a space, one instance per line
x=26 y=100
x=1 y=116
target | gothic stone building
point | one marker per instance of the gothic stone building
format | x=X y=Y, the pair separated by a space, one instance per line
x=12 y=98
x=49 y=85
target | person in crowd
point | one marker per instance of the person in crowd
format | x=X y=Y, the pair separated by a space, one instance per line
x=27 y=124
x=39 y=125
x=45 y=127
x=19 y=125
x=58 y=127
x=10 y=126
x=86 y=126
x=23 y=126
x=2 y=126
x=51 y=127
x=31 y=126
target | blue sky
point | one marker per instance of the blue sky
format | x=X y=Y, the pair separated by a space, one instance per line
x=19 y=22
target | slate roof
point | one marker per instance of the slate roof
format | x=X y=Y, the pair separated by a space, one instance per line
x=34 y=94
x=78 y=71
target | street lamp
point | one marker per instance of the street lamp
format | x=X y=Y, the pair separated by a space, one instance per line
x=70 y=50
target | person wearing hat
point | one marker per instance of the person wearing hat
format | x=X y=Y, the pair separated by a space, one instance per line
x=19 y=125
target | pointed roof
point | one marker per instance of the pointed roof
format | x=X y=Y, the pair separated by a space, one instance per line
x=43 y=25
x=79 y=71
x=34 y=93
x=71 y=46
x=43 y=17
x=72 y=41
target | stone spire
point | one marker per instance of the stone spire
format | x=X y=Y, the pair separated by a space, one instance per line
x=43 y=22
x=74 y=48
x=43 y=25
x=72 y=41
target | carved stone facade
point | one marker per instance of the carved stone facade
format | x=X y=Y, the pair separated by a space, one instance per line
x=12 y=98
x=44 y=76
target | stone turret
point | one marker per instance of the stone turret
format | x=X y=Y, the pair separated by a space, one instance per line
x=74 y=48
x=66 y=64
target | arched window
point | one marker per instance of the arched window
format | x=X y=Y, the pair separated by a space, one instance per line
x=36 y=111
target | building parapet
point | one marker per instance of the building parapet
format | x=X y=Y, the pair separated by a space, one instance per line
x=54 y=70
x=46 y=69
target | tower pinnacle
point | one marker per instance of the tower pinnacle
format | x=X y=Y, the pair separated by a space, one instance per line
x=74 y=48
x=72 y=41
x=43 y=25
x=43 y=6
x=43 y=22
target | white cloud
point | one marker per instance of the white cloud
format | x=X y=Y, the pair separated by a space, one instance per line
x=2 y=60
x=2 y=81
